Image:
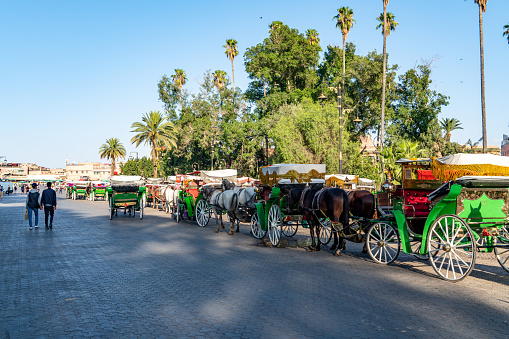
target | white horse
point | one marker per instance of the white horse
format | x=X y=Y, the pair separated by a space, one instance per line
x=171 y=196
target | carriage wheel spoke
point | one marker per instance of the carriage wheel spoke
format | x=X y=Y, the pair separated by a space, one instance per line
x=439 y=237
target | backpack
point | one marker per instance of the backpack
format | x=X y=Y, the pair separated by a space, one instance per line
x=33 y=200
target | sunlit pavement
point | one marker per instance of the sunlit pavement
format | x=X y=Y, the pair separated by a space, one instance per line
x=92 y=277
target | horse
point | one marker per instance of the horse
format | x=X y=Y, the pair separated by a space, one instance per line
x=171 y=196
x=245 y=203
x=222 y=201
x=361 y=205
x=329 y=203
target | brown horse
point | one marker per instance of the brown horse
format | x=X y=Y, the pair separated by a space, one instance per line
x=329 y=203
x=362 y=208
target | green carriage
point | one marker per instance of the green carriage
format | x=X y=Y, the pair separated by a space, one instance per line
x=190 y=203
x=99 y=190
x=126 y=193
x=80 y=190
x=271 y=216
x=445 y=223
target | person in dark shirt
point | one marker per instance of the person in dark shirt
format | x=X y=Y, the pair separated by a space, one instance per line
x=49 y=202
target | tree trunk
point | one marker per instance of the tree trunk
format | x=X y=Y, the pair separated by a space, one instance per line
x=112 y=167
x=483 y=106
x=154 y=159
x=384 y=79
x=344 y=64
x=233 y=80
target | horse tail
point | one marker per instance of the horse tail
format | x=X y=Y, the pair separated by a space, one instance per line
x=234 y=203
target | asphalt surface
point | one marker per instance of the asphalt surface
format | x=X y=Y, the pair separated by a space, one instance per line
x=150 y=278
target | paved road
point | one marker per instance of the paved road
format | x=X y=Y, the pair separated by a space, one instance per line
x=92 y=277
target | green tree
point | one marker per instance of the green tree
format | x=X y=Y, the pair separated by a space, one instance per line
x=482 y=8
x=180 y=79
x=143 y=167
x=506 y=32
x=449 y=125
x=169 y=94
x=417 y=106
x=231 y=52
x=344 y=21
x=285 y=61
x=112 y=150
x=154 y=131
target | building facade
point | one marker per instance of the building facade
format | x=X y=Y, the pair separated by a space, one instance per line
x=89 y=171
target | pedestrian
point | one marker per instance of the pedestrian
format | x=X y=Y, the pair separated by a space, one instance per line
x=33 y=204
x=15 y=188
x=49 y=202
x=2 y=191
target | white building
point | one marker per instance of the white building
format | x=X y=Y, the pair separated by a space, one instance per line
x=89 y=171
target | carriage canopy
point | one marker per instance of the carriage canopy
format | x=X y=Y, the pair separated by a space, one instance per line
x=458 y=165
x=297 y=173
x=209 y=177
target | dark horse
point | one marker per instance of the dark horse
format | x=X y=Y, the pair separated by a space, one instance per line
x=329 y=203
x=362 y=208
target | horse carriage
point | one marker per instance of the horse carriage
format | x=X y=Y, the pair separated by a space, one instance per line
x=221 y=196
x=69 y=189
x=126 y=193
x=188 y=196
x=275 y=214
x=445 y=223
x=80 y=190
x=98 y=190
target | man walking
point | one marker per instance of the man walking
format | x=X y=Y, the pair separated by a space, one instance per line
x=32 y=204
x=49 y=202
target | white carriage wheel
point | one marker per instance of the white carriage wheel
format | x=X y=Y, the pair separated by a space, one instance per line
x=178 y=212
x=451 y=247
x=502 y=253
x=111 y=210
x=325 y=231
x=256 y=227
x=202 y=213
x=382 y=242
x=141 y=211
x=274 y=223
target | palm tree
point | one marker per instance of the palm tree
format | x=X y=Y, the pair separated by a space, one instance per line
x=449 y=125
x=312 y=37
x=384 y=75
x=506 y=32
x=482 y=8
x=154 y=131
x=113 y=149
x=179 y=79
x=391 y=23
x=231 y=52
x=219 y=79
x=344 y=21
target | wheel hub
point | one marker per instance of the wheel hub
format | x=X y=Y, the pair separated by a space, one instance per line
x=447 y=247
x=381 y=244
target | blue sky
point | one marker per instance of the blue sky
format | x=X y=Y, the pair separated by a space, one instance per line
x=74 y=73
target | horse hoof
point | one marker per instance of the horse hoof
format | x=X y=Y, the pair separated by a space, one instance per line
x=217 y=231
x=317 y=248
x=230 y=233
x=337 y=253
x=310 y=249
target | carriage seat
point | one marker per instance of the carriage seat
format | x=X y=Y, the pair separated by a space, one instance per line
x=416 y=203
